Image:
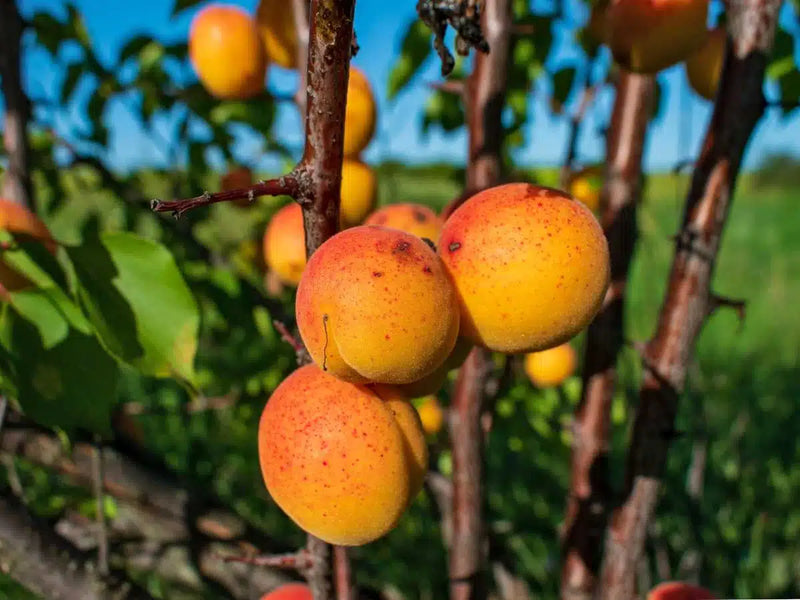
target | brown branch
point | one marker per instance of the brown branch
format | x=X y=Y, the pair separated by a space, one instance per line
x=588 y=503
x=101 y=531
x=587 y=96
x=449 y=86
x=296 y=561
x=300 y=12
x=343 y=581
x=739 y=106
x=17 y=181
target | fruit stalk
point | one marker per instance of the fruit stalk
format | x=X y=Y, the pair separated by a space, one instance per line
x=17 y=180
x=484 y=100
x=688 y=302
x=590 y=492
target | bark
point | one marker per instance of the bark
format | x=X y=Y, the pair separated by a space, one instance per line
x=688 y=302
x=588 y=503
x=17 y=178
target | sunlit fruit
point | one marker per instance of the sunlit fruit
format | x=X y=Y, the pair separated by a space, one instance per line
x=432 y=383
x=285 y=245
x=530 y=265
x=290 y=591
x=18 y=220
x=430 y=414
x=677 y=590
x=646 y=36
x=227 y=53
x=551 y=367
x=704 y=67
x=586 y=185
x=416 y=219
x=359 y=192
x=276 y=25
x=360 y=115
x=376 y=305
x=342 y=460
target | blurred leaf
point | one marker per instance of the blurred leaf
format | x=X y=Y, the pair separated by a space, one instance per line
x=782 y=58
x=139 y=303
x=77 y=26
x=415 y=49
x=445 y=110
x=563 y=80
x=38 y=307
x=71 y=79
x=181 y=5
x=49 y=31
x=133 y=47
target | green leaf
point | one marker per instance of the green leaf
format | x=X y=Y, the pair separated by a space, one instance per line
x=72 y=385
x=38 y=307
x=444 y=110
x=563 y=79
x=415 y=49
x=181 y=5
x=139 y=303
x=49 y=31
x=78 y=26
x=74 y=73
x=133 y=47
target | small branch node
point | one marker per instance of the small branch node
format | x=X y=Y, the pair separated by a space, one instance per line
x=716 y=301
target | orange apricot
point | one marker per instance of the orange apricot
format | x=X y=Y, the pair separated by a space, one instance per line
x=430 y=414
x=343 y=461
x=646 y=36
x=290 y=591
x=530 y=265
x=285 y=245
x=275 y=19
x=227 y=53
x=677 y=590
x=430 y=384
x=376 y=305
x=551 y=367
x=360 y=113
x=586 y=185
x=416 y=219
x=704 y=67
x=17 y=219
x=359 y=191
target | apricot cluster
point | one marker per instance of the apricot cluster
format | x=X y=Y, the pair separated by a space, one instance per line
x=385 y=316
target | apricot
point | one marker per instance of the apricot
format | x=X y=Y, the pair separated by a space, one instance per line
x=704 y=67
x=359 y=191
x=285 y=244
x=416 y=219
x=677 y=590
x=586 y=186
x=376 y=305
x=430 y=384
x=646 y=36
x=290 y=591
x=549 y=368
x=275 y=19
x=343 y=461
x=530 y=265
x=360 y=113
x=227 y=53
x=17 y=219
x=430 y=414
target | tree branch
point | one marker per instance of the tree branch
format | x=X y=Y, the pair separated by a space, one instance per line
x=588 y=503
x=740 y=105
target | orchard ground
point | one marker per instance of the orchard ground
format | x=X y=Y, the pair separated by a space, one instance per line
x=749 y=519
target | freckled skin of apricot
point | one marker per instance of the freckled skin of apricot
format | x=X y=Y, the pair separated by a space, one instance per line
x=416 y=219
x=284 y=244
x=430 y=384
x=530 y=265
x=677 y=590
x=359 y=192
x=646 y=36
x=227 y=52
x=335 y=457
x=290 y=591
x=376 y=305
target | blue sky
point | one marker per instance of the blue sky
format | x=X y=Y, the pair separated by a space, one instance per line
x=380 y=27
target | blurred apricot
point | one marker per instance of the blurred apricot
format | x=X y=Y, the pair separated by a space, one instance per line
x=416 y=219
x=18 y=220
x=359 y=192
x=276 y=25
x=361 y=113
x=677 y=590
x=285 y=244
x=551 y=367
x=430 y=414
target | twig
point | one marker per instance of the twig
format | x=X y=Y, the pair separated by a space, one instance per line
x=739 y=106
x=101 y=532
x=3 y=408
x=297 y=561
x=587 y=96
x=449 y=86
x=342 y=576
x=303 y=357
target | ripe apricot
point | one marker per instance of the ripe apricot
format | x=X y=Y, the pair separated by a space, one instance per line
x=530 y=265
x=359 y=191
x=285 y=245
x=586 y=186
x=430 y=414
x=646 y=36
x=342 y=460
x=704 y=67
x=549 y=368
x=227 y=53
x=416 y=219
x=376 y=305
x=276 y=25
x=360 y=114
x=677 y=590
x=430 y=384
x=290 y=591
x=17 y=219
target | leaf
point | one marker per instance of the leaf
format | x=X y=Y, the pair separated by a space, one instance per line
x=133 y=47
x=415 y=49
x=49 y=31
x=563 y=79
x=78 y=26
x=445 y=110
x=139 y=303
x=181 y=5
x=74 y=73
x=72 y=385
x=38 y=307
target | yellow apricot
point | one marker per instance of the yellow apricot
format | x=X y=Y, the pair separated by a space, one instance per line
x=409 y=422
x=416 y=219
x=530 y=266
x=276 y=25
x=285 y=244
x=430 y=384
x=336 y=458
x=586 y=186
x=430 y=414
x=17 y=219
x=549 y=368
x=646 y=36
x=376 y=305
x=704 y=67
x=359 y=191
x=360 y=113
x=227 y=53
